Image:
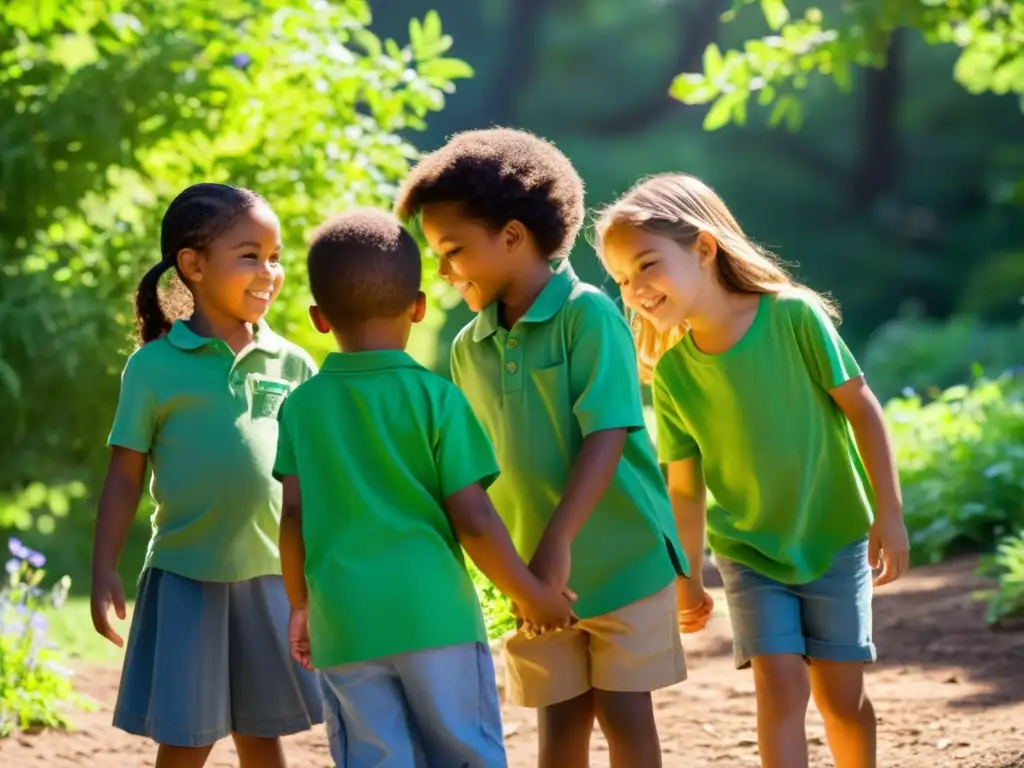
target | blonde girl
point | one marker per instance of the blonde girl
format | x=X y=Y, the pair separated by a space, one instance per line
x=759 y=400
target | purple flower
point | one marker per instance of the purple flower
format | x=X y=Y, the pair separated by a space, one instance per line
x=36 y=559
x=12 y=566
x=38 y=622
x=18 y=549
x=241 y=60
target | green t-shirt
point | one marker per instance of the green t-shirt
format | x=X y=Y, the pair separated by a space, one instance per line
x=777 y=453
x=378 y=443
x=208 y=421
x=567 y=369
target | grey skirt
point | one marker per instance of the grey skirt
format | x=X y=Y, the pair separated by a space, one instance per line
x=208 y=658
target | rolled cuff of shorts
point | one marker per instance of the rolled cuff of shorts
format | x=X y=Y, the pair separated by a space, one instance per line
x=744 y=651
x=841 y=652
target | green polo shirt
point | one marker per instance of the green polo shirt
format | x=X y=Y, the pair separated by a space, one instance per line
x=777 y=452
x=567 y=369
x=378 y=443
x=207 y=418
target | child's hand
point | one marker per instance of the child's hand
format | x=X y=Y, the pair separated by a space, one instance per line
x=551 y=610
x=694 y=604
x=551 y=563
x=298 y=637
x=888 y=548
x=107 y=591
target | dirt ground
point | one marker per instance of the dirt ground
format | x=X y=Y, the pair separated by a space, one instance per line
x=948 y=692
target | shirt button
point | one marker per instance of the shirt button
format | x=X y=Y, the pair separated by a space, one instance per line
x=511 y=367
x=511 y=343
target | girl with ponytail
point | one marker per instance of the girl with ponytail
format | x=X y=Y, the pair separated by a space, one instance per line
x=207 y=654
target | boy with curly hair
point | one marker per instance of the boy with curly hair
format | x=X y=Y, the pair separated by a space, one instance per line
x=548 y=366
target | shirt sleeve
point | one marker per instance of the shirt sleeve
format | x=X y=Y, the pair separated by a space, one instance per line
x=463 y=452
x=675 y=443
x=135 y=418
x=826 y=355
x=284 y=462
x=603 y=370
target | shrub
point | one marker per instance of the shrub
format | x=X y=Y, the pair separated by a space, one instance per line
x=1006 y=601
x=961 y=460
x=34 y=688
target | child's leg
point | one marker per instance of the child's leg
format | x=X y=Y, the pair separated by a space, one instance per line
x=564 y=732
x=837 y=623
x=182 y=757
x=847 y=711
x=368 y=718
x=254 y=752
x=633 y=651
x=551 y=673
x=453 y=698
x=767 y=630
x=174 y=684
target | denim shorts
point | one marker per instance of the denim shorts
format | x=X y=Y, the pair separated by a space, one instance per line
x=437 y=707
x=828 y=618
x=208 y=658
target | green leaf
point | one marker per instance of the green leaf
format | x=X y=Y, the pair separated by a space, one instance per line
x=775 y=13
x=720 y=113
x=445 y=69
x=712 y=61
x=692 y=88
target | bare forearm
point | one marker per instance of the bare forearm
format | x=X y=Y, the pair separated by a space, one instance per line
x=119 y=501
x=691 y=515
x=293 y=557
x=876 y=452
x=589 y=479
x=489 y=546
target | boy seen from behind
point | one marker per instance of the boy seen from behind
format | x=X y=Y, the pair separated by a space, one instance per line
x=384 y=468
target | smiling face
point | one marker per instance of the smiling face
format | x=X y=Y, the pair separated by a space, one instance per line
x=239 y=274
x=474 y=259
x=659 y=278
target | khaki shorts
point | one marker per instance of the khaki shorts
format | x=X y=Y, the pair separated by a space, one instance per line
x=635 y=648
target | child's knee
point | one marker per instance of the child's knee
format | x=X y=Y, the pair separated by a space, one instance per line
x=781 y=680
x=839 y=690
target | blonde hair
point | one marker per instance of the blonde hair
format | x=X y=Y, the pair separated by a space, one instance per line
x=680 y=207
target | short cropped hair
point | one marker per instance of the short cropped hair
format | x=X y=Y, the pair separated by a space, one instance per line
x=363 y=264
x=498 y=175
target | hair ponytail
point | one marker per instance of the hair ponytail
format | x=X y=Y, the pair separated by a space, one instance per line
x=193 y=220
x=150 y=321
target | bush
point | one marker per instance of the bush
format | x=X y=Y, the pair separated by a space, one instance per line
x=928 y=356
x=1006 y=602
x=961 y=460
x=34 y=688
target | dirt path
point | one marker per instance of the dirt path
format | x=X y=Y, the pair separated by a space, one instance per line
x=948 y=692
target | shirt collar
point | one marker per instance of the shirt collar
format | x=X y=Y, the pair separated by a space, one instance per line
x=361 y=362
x=551 y=299
x=186 y=339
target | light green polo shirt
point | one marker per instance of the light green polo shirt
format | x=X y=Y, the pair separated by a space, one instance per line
x=208 y=421
x=378 y=443
x=567 y=369
x=777 y=452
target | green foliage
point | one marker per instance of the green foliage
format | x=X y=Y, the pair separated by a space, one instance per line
x=1006 y=601
x=961 y=460
x=928 y=356
x=990 y=36
x=34 y=688
x=107 y=111
x=496 y=607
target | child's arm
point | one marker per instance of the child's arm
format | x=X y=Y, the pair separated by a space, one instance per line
x=291 y=545
x=689 y=505
x=888 y=535
x=119 y=501
x=485 y=539
x=590 y=477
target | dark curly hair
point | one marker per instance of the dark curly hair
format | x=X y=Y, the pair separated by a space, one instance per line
x=498 y=175
x=363 y=264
